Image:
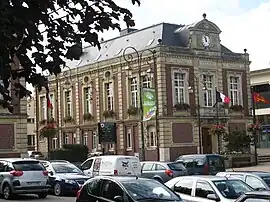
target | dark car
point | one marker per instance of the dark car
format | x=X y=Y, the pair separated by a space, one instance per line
x=162 y=171
x=258 y=180
x=255 y=196
x=65 y=178
x=125 y=189
x=203 y=164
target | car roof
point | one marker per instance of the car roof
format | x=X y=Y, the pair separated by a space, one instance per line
x=18 y=159
x=161 y=162
x=259 y=173
x=199 y=155
x=205 y=177
x=123 y=178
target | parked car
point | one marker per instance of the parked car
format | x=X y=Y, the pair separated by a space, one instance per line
x=23 y=176
x=35 y=155
x=162 y=171
x=208 y=188
x=203 y=164
x=111 y=165
x=255 y=196
x=120 y=189
x=65 y=178
x=256 y=179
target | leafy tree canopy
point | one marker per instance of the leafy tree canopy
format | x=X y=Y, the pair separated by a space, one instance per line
x=23 y=24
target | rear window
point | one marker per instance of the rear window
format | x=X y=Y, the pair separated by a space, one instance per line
x=28 y=166
x=176 y=166
x=266 y=179
x=216 y=161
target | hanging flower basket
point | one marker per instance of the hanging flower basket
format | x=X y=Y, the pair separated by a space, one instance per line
x=218 y=130
x=254 y=128
x=48 y=130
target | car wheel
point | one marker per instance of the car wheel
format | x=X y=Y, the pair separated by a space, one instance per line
x=42 y=195
x=7 y=193
x=57 y=189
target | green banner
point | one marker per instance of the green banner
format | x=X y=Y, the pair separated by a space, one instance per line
x=149 y=103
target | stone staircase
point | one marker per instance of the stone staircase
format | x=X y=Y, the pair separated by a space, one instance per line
x=263 y=158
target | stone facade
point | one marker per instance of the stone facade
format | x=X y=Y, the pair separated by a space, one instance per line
x=13 y=127
x=177 y=132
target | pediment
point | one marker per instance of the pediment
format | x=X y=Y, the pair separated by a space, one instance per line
x=208 y=26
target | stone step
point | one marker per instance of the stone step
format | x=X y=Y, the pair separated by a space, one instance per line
x=263 y=158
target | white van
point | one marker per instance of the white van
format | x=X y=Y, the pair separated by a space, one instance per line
x=111 y=165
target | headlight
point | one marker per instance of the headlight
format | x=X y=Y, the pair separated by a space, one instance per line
x=70 y=182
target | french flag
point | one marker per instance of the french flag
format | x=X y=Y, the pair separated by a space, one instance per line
x=220 y=97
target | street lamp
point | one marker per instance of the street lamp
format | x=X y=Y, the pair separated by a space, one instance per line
x=197 y=94
x=130 y=59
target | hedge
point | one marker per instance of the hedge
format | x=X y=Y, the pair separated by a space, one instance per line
x=70 y=152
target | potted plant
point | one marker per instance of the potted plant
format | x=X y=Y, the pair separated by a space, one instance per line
x=68 y=119
x=181 y=109
x=132 y=110
x=88 y=117
x=253 y=128
x=108 y=113
x=218 y=130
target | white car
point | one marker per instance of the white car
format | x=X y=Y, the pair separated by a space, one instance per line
x=208 y=188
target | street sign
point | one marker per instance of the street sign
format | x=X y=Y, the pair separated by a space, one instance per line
x=107 y=133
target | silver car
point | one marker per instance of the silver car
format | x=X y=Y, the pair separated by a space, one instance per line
x=208 y=188
x=23 y=176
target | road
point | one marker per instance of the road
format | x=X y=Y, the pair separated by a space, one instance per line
x=33 y=198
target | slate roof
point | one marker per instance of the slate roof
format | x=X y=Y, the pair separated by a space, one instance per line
x=140 y=39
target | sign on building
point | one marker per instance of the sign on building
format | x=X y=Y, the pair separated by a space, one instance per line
x=107 y=133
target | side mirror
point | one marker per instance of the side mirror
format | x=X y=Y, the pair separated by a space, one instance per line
x=50 y=172
x=213 y=197
x=118 y=198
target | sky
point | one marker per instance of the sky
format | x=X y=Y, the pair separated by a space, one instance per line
x=243 y=22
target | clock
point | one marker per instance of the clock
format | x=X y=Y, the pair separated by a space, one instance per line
x=205 y=40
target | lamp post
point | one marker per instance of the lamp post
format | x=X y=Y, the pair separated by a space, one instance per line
x=130 y=59
x=197 y=94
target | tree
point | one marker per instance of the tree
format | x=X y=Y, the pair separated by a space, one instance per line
x=237 y=141
x=23 y=24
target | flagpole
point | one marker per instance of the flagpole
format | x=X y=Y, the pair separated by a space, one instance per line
x=217 y=119
x=255 y=134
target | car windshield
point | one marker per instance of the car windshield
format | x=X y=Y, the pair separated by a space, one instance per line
x=266 y=179
x=149 y=189
x=66 y=168
x=177 y=166
x=232 y=189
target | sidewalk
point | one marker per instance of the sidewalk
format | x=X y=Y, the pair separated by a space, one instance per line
x=261 y=167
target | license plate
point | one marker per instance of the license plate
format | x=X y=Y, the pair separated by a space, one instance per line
x=33 y=183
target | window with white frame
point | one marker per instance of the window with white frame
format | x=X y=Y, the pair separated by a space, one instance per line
x=87 y=92
x=94 y=141
x=146 y=82
x=151 y=137
x=129 y=139
x=179 y=87
x=52 y=109
x=85 y=139
x=134 y=92
x=54 y=143
x=43 y=109
x=109 y=95
x=68 y=103
x=235 y=90
x=66 y=139
x=208 y=94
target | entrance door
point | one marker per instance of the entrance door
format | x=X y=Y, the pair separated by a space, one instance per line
x=206 y=141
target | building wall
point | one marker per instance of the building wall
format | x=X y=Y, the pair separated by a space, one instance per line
x=31 y=127
x=13 y=127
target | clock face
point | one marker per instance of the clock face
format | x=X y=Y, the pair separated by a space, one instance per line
x=205 y=40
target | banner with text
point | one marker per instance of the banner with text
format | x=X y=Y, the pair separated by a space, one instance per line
x=149 y=103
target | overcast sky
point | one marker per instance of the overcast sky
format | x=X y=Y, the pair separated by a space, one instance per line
x=244 y=23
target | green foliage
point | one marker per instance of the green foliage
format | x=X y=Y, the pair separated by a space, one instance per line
x=70 y=152
x=36 y=26
x=237 y=141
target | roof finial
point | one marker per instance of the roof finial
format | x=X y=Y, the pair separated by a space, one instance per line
x=204 y=16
